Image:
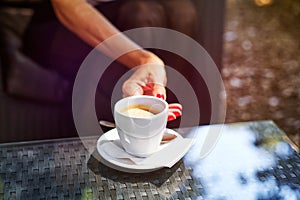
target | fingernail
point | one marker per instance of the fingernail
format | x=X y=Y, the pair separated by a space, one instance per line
x=171 y=117
x=176 y=112
x=175 y=106
x=161 y=96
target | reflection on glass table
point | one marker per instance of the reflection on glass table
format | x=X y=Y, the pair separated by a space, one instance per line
x=250 y=161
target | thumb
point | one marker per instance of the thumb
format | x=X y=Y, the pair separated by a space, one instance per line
x=132 y=88
x=159 y=91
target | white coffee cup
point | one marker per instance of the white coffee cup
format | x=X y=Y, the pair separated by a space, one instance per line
x=141 y=135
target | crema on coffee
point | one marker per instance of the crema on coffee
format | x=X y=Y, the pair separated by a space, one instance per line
x=139 y=110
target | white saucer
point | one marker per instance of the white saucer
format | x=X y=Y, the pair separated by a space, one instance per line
x=124 y=165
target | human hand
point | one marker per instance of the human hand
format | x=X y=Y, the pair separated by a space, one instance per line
x=150 y=79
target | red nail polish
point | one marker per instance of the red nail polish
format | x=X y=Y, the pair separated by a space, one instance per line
x=161 y=96
x=171 y=117
x=175 y=106
x=176 y=112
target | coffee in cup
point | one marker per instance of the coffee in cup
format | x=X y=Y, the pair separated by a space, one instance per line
x=140 y=110
x=141 y=122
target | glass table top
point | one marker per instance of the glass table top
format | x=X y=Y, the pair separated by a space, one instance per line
x=250 y=160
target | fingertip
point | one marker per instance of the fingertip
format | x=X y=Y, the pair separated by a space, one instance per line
x=131 y=88
x=175 y=106
x=161 y=96
x=171 y=116
x=176 y=112
x=159 y=91
x=136 y=93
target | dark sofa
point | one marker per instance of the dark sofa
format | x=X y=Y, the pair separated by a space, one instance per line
x=35 y=108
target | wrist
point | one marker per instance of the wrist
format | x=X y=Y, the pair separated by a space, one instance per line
x=150 y=58
x=140 y=57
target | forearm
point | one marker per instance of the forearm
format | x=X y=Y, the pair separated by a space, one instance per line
x=92 y=27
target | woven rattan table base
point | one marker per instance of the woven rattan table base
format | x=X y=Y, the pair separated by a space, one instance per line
x=65 y=170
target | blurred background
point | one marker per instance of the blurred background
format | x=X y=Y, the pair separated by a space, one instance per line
x=261 y=62
x=260 y=67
